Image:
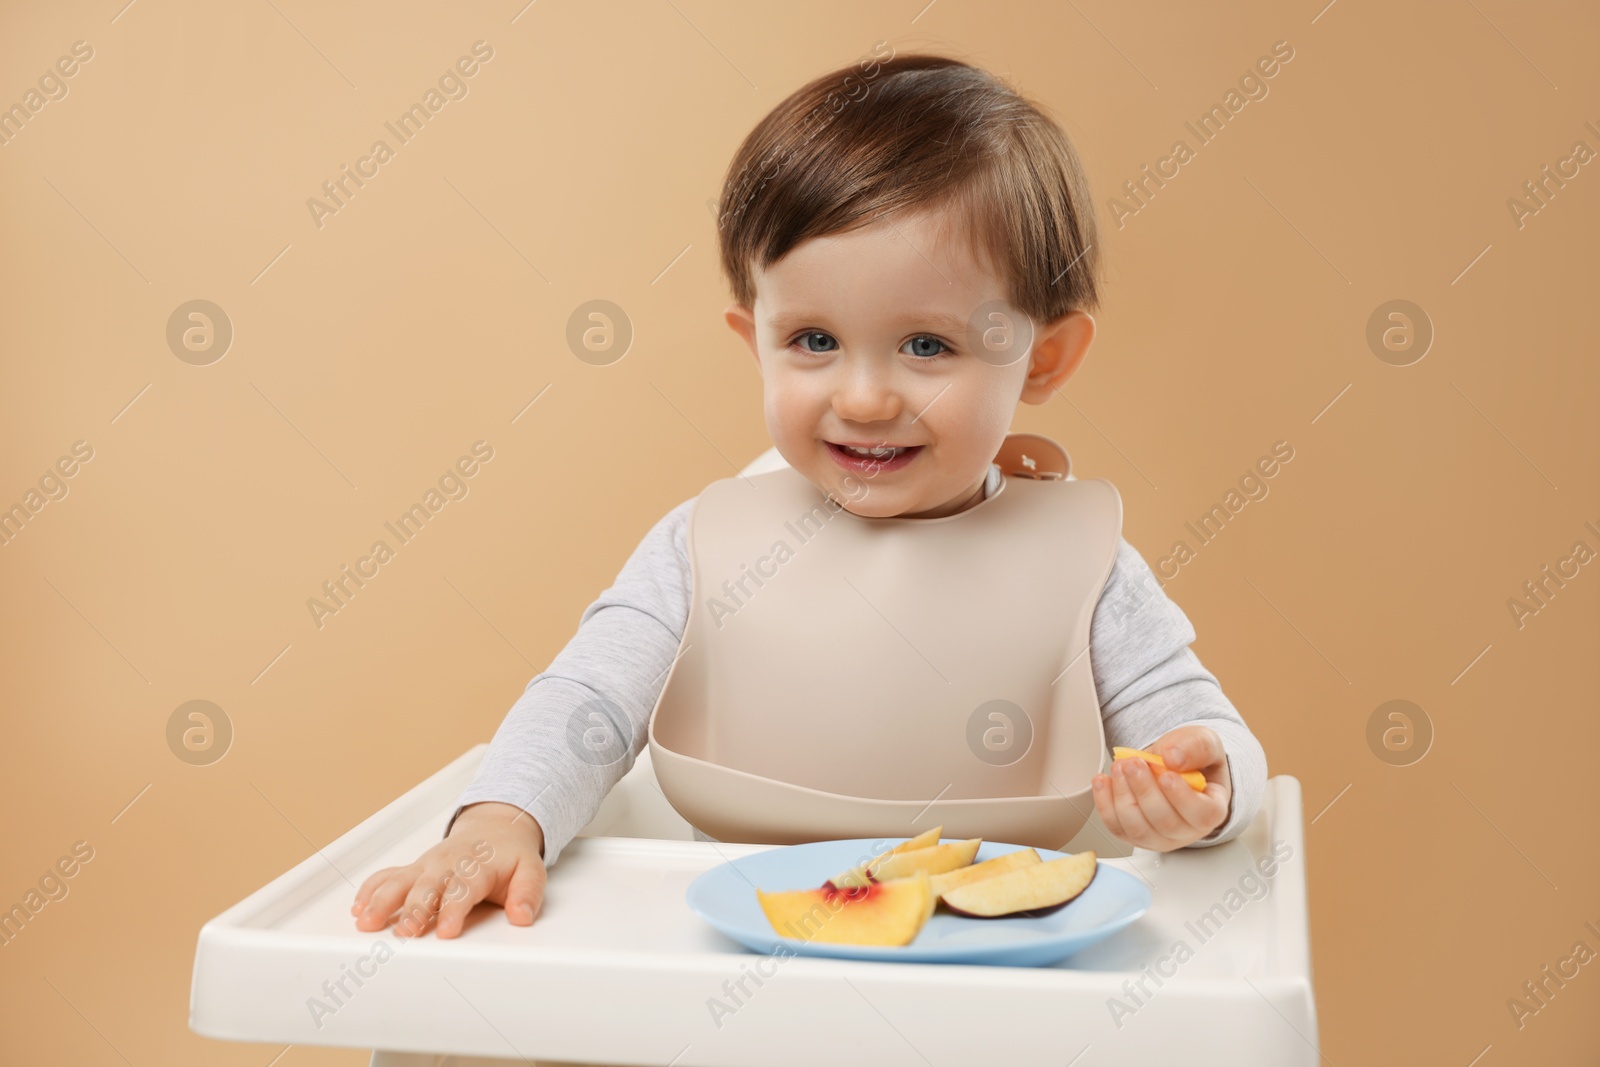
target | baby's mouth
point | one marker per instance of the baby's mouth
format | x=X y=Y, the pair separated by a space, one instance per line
x=884 y=452
x=878 y=457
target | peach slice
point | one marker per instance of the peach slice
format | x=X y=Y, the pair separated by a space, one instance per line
x=943 y=883
x=891 y=912
x=1195 y=779
x=1029 y=891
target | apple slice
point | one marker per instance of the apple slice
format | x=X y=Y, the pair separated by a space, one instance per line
x=1196 y=780
x=926 y=839
x=943 y=883
x=1032 y=890
x=935 y=859
x=858 y=875
x=884 y=913
x=854 y=878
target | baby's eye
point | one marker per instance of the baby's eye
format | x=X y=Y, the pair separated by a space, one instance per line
x=925 y=340
x=803 y=338
x=925 y=346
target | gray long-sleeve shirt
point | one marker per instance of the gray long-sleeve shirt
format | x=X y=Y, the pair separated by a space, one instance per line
x=607 y=678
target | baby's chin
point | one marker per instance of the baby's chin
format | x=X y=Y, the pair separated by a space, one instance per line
x=850 y=498
x=866 y=510
x=879 y=506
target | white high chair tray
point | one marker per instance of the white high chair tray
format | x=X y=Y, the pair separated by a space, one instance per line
x=616 y=969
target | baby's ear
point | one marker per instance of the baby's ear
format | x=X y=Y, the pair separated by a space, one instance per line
x=743 y=322
x=1059 y=348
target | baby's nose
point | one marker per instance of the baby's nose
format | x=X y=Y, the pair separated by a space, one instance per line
x=866 y=397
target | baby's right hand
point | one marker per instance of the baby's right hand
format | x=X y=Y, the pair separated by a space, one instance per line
x=495 y=852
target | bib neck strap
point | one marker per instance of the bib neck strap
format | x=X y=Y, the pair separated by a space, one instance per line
x=1031 y=455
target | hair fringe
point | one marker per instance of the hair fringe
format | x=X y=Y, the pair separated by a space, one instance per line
x=913 y=133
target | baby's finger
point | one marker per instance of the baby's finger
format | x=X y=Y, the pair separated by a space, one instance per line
x=525 y=893
x=1104 y=805
x=421 y=904
x=1191 y=748
x=1199 y=810
x=374 y=880
x=460 y=896
x=385 y=898
x=1137 y=827
x=1154 y=803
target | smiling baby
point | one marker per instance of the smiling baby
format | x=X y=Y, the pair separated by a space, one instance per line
x=910 y=246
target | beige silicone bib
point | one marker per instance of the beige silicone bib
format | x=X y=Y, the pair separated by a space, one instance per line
x=844 y=676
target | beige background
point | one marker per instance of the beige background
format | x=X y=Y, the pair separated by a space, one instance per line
x=370 y=353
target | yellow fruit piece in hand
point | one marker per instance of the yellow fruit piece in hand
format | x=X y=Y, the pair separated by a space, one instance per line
x=1195 y=779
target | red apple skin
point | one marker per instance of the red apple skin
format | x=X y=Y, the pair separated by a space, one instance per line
x=828 y=885
x=926 y=839
x=1032 y=913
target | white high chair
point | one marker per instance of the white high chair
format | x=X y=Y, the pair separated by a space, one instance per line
x=617 y=970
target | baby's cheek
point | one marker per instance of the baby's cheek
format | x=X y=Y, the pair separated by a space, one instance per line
x=786 y=416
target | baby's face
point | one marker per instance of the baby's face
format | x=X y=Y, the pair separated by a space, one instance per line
x=865 y=338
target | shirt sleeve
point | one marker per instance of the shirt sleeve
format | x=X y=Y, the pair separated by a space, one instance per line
x=579 y=725
x=1149 y=681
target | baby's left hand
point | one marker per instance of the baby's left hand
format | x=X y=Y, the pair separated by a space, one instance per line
x=1161 y=811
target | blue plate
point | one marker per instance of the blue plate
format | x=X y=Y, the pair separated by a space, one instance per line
x=725 y=897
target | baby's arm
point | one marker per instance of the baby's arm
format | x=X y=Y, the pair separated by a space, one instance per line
x=580 y=724
x=1150 y=682
x=572 y=734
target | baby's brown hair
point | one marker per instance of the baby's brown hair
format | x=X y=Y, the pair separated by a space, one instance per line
x=918 y=131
